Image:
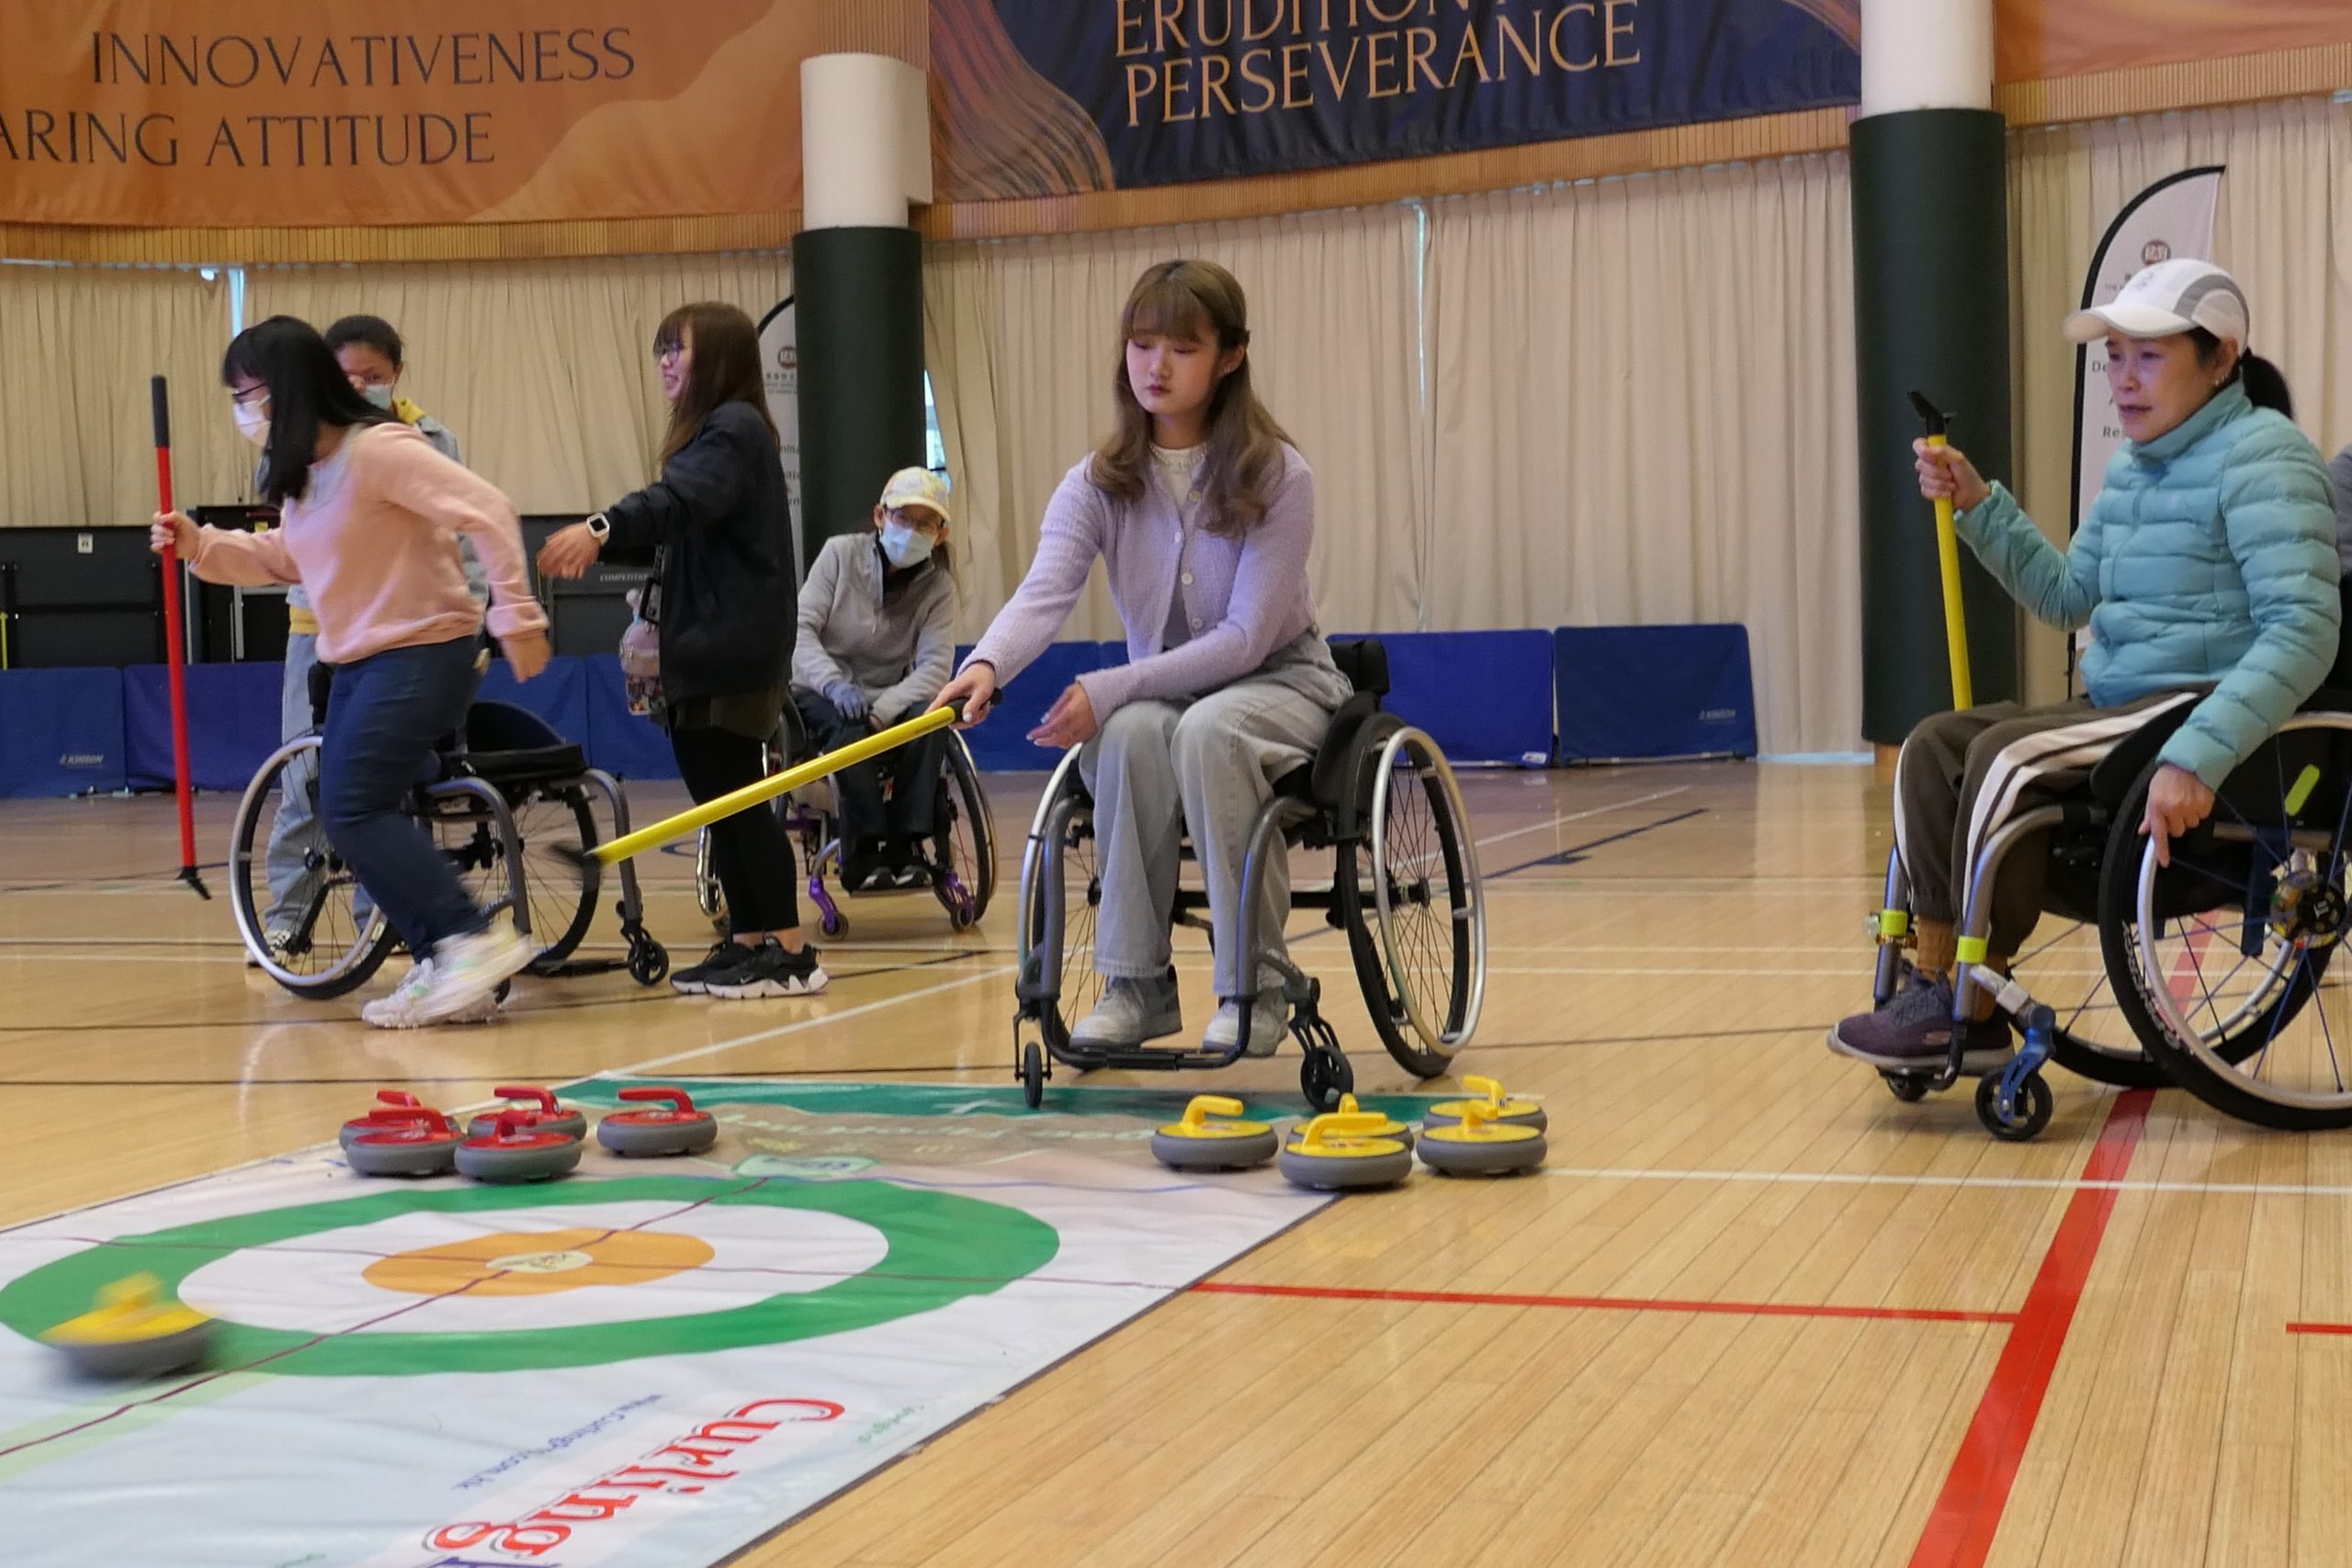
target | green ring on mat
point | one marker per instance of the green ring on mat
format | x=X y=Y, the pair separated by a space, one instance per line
x=942 y=1247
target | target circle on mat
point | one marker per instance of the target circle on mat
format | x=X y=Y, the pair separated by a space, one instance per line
x=942 y=1247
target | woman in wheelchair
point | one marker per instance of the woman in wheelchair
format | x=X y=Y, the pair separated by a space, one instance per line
x=371 y=518
x=877 y=641
x=2207 y=573
x=1202 y=513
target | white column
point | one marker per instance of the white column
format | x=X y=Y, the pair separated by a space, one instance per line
x=1926 y=55
x=865 y=141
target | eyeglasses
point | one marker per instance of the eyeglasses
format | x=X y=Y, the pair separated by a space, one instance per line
x=664 y=353
x=925 y=521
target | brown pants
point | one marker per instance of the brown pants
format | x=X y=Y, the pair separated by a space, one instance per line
x=1962 y=775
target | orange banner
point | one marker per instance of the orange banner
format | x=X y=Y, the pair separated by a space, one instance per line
x=228 y=113
x=2040 y=40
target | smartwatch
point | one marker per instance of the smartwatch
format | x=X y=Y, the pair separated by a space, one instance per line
x=600 y=527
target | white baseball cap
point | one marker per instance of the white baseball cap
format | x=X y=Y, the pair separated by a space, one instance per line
x=917 y=487
x=2168 y=298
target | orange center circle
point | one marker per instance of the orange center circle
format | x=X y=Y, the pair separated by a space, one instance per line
x=538 y=1263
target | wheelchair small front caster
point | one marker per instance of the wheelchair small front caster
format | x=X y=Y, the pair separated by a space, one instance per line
x=649 y=961
x=1032 y=1076
x=2027 y=1115
x=1908 y=1087
x=1324 y=1077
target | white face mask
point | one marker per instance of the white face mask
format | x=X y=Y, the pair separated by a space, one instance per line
x=903 y=545
x=379 y=394
x=252 y=424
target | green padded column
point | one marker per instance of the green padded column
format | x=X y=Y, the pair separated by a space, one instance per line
x=857 y=307
x=1931 y=308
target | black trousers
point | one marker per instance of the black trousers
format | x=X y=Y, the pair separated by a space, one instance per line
x=913 y=771
x=750 y=850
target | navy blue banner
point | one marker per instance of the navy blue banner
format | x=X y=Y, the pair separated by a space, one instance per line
x=1196 y=89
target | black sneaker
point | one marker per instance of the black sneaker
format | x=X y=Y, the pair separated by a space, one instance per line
x=1912 y=1033
x=694 y=982
x=768 y=970
x=910 y=874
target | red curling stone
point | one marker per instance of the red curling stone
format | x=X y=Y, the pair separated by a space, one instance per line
x=515 y=1151
x=394 y=1108
x=545 y=1115
x=677 y=1128
x=424 y=1149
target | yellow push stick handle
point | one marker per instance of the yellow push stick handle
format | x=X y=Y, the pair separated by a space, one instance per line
x=767 y=789
x=1948 y=557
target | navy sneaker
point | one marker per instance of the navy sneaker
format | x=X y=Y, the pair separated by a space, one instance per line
x=695 y=980
x=1912 y=1033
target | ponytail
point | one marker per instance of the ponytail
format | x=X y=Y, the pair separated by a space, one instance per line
x=2266 y=386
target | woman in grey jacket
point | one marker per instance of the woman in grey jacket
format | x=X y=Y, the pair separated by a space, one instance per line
x=877 y=641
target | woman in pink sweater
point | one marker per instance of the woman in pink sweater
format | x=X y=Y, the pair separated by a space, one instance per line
x=369 y=515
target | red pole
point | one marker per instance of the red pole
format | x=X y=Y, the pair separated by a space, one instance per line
x=173 y=645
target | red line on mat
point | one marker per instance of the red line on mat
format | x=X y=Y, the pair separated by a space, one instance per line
x=1606 y=1303
x=1967 y=1513
x=2319 y=1329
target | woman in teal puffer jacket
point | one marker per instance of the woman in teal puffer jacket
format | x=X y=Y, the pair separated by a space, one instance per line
x=2207 y=573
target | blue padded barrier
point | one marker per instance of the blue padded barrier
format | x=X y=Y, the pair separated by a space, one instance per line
x=1652 y=693
x=61 y=732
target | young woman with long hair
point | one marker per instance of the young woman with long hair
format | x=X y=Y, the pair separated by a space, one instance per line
x=1203 y=513
x=716 y=527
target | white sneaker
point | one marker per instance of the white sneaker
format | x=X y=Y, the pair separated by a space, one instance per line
x=468 y=970
x=401 y=1009
x=1130 y=1012
x=1268 y=1020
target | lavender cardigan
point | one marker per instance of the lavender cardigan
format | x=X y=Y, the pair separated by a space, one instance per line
x=1245 y=596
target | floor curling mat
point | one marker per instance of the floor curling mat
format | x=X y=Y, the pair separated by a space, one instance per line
x=653 y=1362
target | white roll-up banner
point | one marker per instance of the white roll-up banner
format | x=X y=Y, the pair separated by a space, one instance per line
x=780 y=370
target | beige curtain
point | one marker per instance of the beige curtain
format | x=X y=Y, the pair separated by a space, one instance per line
x=2284 y=227
x=543 y=370
x=1021 y=340
x=1643 y=412
x=77 y=441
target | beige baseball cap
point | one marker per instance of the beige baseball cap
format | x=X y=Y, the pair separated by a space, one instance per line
x=917 y=487
x=2168 y=298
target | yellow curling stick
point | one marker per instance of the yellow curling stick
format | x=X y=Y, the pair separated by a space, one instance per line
x=1948 y=555
x=767 y=789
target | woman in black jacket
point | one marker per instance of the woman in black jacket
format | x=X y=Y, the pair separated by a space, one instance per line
x=718 y=528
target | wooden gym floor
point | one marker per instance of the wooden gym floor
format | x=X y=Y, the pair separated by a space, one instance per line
x=1756 y=1314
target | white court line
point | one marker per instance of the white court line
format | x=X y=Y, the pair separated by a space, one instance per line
x=2024 y=1183
x=805 y=1023
x=1581 y=816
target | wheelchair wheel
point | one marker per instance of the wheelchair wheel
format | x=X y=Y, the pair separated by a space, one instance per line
x=2221 y=958
x=468 y=829
x=563 y=891
x=964 y=851
x=1417 y=931
x=1059 y=871
x=2096 y=1037
x=333 y=941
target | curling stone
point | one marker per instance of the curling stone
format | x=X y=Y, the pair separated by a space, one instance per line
x=135 y=1331
x=428 y=1147
x=1198 y=1144
x=1478 y=1146
x=1337 y=1153
x=393 y=1108
x=1389 y=1127
x=545 y=1114
x=677 y=1128
x=1498 y=1106
x=514 y=1150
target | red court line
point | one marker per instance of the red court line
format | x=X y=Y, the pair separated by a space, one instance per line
x=2319 y=1329
x=1606 y=1303
x=1967 y=1513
